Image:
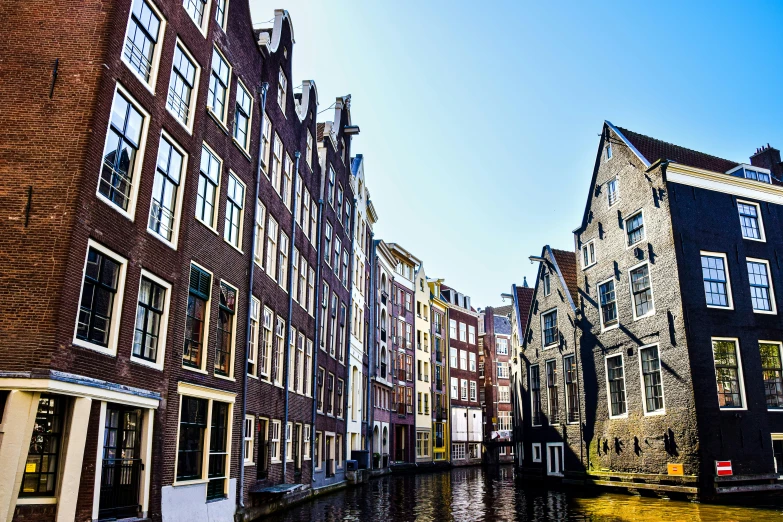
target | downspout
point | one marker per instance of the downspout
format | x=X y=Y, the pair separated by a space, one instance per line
x=317 y=340
x=371 y=349
x=579 y=399
x=287 y=345
x=241 y=488
x=347 y=340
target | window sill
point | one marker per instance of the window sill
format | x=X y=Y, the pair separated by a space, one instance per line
x=765 y=312
x=189 y=482
x=188 y=128
x=124 y=213
x=243 y=150
x=716 y=307
x=210 y=227
x=663 y=412
x=171 y=244
x=225 y=378
x=149 y=85
x=217 y=120
x=194 y=370
x=32 y=501
x=148 y=364
x=649 y=314
x=250 y=463
x=111 y=352
x=232 y=245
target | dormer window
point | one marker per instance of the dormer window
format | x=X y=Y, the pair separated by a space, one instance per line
x=750 y=172
x=609 y=151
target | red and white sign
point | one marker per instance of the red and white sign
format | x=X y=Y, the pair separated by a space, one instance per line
x=723 y=468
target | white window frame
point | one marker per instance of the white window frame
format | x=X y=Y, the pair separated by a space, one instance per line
x=630 y=289
x=174 y=241
x=260 y=225
x=234 y=333
x=241 y=225
x=729 y=297
x=164 y=322
x=662 y=411
x=116 y=312
x=256 y=337
x=625 y=229
x=763 y=238
x=740 y=372
x=473 y=391
x=282 y=100
x=463 y=332
x=535 y=452
x=625 y=388
x=772 y=302
x=779 y=344
x=275 y=457
x=205 y=19
x=545 y=346
x=282 y=261
x=188 y=126
x=546 y=281
x=135 y=175
x=608 y=151
x=471 y=334
x=207 y=318
x=616 y=180
x=598 y=286
x=224 y=23
x=556 y=446
x=250 y=421
x=454 y=387
x=248 y=136
x=222 y=119
x=213 y=225
x=155 y=62
x=591 y=258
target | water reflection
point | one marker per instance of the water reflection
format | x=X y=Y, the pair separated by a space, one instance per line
x=477 y=494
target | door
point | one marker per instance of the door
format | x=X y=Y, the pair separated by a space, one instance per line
x=554 y=458
x=399 y=445
x=122 y=466
x=330 y=456
x=263 y=449
x=777 y=452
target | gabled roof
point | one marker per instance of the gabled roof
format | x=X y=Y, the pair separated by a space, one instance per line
x=502 y=325
x=566 y=262
x=523 y=302
x=504 y=310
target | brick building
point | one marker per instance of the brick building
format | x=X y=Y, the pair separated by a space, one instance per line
x=441 y=428
x=464 y=374
x=522 y=300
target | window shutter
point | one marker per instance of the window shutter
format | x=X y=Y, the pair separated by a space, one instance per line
x=200 y=282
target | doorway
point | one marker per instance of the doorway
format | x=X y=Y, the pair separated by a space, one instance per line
x=122 y=466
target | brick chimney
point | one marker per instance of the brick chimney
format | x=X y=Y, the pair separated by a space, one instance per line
x=768 y=158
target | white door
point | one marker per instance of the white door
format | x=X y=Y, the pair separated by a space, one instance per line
x=554 y=458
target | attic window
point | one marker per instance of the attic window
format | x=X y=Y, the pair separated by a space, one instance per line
x=754 y=173
x=609 y=151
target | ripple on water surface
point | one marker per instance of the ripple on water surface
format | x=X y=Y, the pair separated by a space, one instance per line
x=477 y=494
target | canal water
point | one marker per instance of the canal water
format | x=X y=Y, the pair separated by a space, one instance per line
x=477 y=494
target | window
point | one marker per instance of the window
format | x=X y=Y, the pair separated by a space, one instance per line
x=338 y=247
x=279 y=355
x=313 y=221
x=208 y=182
x=554 y=458
x=473 y=391
x=282 y=85
x=310 y=291
x=471 y=360
x=761 y=293
x=295 y=275
x=772 y=371
x=547 y=286
x=641 y=289
x=536 y=452
x=588 y=254
x=612 y=191
x=472 y=334
x=282 y=263
x=551 y=334
x=287 y=181
x=276 y=169
x=220 y=13
x=274 y=441
x=552 y=392
x=248 y=436
x=453 y=329
x=502 y=370
x=458 y=451
x=324 y=311
x=504 y=394
x=608 y=301
x=616 y=384
x=196 y=9
x=338 y=443
x=502 y=347
x=463 y=336
x=184 y=74
x=192 y=432
x=504 y=420
x=289 y=455
x=309 y=148
x=302 y=282
x=260 y=221
x=306 y=441
x=609 y=151
x=242 y=117
x=218 y=86
x=338 y=210
x=266 y=142
x=535 y=395
x=345 y=268
x=150 y=329
x=572 y=398
x=330 y=394
x=265 y=357
x=235 y=200
x=308 y=369
x=750 y=220
x=225 y=330
x=728 y=374
x=330 y=187
x=197 y=314
x=463 y=360
x=127 y=127
x=271 y=248
x=422 y=444
x=652 y=382
x=43 y=458
x=139 y=52
x=252 y=352
x=164 y=207
x=716 y=279
x=454 y=388
x=101 y=300
x=328 y=243
x=320 y=389
x=634 y=229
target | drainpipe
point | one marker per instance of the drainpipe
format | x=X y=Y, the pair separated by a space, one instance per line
x=287 y=345
x=579 y=399
x=371 y=349
x=241 y=488
x=317 y=340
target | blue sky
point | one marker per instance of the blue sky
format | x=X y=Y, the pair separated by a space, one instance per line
x=480 y=122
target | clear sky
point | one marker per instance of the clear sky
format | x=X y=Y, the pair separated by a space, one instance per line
x=480 y=120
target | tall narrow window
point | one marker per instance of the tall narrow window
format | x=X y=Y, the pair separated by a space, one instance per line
x=279 y=355
x=195 y=9
x=225 y=330
x=260 y=222
x=588 y=254
x=248 y=438
x=302 y=282
x=535 y=395
x=271 y=248
x=242 y=116
x=608 y=302
x=309 y=148
x=198 y=297
x=181 y=85
x=328 y=244
x=99 y=289
x=265 y=357
x=163 y=208
x=274 y=441
x=338 y=210
x=313 y=221
x=616 y=380
x=338 y=246
x=220 y=13
x=760 y=286
x=143 y=33
x=310 y=291
x=192 y=430
x=727 y=373
x=330 y=187
x=266 y=144
x=43 y=457
x=123 y=140
x=634 y=228
x=282 y=86
x=612 y=191
x=551 y=335
x=208 y=181
x=473 y=391
x=653 y=383
x=345 y=268
x=713 y=269
x=235 y=200
x=750 y=220
x=572 y=400
x=308 y=369
x=276 y=168
x=282 y=275
x=218 y=451
x=552 y=392
x=286 y=181
x=641 y=289
x=218 y=85
x=252 y=352
x=773 y=374
x=149 y=315
x=546 y=284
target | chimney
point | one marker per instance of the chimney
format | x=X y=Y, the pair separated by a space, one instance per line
x=768 y=157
